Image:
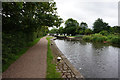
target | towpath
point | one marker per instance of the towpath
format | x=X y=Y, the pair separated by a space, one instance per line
x=32 y=64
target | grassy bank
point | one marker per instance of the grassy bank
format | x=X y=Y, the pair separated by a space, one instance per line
x=51 y=67
x=111 y=38
x=74 y=36
x=13 y=57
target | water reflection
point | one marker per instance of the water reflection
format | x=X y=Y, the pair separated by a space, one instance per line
x=93 y=60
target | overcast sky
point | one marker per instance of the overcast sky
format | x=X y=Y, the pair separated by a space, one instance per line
x=89 y=10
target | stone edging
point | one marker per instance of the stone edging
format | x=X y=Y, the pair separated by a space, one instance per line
x=69 y=68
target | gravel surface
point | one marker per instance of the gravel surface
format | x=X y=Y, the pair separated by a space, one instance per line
x=32 y=64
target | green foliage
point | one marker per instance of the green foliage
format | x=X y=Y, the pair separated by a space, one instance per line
x=8 y=59
x=116 y=29
x=95 y=38
x=105 y=33
x=51 y=67
x=71 y=26
x=82 y=32
x=83 y=25
x=83 y=29
x=61 y=30
x=88 y=31
x=99 y=39
x=99 y=25
x=87 y=38
x=113 y=39
x=24 y=22
x=54 y=31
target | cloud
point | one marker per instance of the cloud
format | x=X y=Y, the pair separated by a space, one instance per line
x=89 y=10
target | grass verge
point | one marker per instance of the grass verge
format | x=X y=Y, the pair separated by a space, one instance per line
x=12 y=58
x=51 y=67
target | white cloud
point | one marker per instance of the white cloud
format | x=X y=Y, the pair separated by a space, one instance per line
x=89 y=10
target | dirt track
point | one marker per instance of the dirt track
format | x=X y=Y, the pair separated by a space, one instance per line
x=32 y=64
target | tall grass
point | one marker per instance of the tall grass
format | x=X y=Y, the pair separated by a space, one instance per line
x=111 y=38
x=87 y=38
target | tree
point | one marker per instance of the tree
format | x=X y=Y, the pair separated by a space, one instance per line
x=23 y=22
x=116 y=29
x=71 y=26
x=104 y=32
x=99 y=25
x=83 y=25
x=81 y=29
x=61 y=30
x=20 y=16
x=82 y=32
x=54 y=31
x=88 y=31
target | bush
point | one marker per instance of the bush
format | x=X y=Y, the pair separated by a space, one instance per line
x=101 y=39
x=87 y=38
x=98 y=38
x=13 y=44
x=105 y=33
x=115 y=40
x=95 y=38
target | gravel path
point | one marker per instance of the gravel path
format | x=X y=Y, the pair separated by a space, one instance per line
x=32 y=64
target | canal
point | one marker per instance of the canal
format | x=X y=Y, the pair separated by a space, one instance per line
x=93 y=60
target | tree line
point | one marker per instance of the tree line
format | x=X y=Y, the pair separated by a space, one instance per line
x=74 y=28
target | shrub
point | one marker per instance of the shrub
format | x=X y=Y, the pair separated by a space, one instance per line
x=98 y=38
x=95 y=38
x=101 y=39
x=105 y=33
x=115 y=40
x=87 y=38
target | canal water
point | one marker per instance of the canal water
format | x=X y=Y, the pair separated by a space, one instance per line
x=93 y=60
